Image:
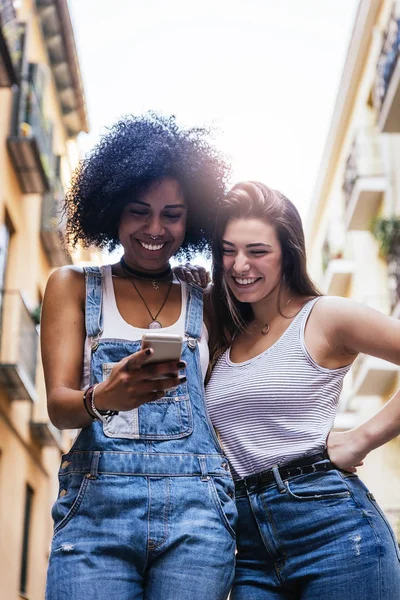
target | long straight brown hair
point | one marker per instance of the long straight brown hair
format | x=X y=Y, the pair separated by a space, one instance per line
x=254 y=200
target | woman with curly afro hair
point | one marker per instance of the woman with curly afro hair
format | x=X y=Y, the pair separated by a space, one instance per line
x=145 y=507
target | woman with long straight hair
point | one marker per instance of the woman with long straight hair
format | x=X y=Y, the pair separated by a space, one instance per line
x=308 y=528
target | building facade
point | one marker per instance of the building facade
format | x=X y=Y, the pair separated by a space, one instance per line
x=42 y=110
x=353 y=228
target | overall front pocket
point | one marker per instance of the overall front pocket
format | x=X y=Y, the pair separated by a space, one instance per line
x=222 y=494
x=168 y=418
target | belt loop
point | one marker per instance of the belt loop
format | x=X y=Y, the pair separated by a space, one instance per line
x=94 y=465
x=278 y=479
x=203 y=468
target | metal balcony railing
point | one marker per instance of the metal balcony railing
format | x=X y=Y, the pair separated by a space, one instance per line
x=31 y=144
x=364 y=160
x=388 y=57
x=11 y=44
x=18 y=347
x=46 y=434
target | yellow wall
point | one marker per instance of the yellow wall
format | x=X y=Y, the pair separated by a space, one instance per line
x=23 y=460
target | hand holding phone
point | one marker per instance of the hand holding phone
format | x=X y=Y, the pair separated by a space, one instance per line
x=165 y=348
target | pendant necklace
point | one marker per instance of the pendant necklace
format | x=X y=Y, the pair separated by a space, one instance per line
x=265 y=328
x=154 y=324
x=153 y=277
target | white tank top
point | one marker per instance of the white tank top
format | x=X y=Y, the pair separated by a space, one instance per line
x=114 y=326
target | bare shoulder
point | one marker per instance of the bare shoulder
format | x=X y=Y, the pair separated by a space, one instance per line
x=68 y=281
x=68 y=275
x=336 y=308
x=332 y=314
x=327 y=305
x=356 y=327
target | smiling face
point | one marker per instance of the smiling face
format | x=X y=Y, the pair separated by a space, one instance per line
x=153 y=227
x=252 y=259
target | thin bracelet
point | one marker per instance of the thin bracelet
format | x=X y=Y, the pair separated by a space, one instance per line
x=86 y=394
x=103 y=414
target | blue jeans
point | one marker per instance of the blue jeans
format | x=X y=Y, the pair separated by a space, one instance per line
x=319 y=536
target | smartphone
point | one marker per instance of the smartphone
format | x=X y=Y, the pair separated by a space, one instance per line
x=165 y=348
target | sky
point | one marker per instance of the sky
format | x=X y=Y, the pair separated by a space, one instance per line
x=264 y=73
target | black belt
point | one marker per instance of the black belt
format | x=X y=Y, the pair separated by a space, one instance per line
x=302 y=466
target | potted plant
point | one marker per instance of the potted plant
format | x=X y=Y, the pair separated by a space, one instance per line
x=36 y=314
x=387 y=233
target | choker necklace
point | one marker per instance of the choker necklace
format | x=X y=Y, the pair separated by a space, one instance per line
x=153 y=277
x=154 y=324
x=265 y=328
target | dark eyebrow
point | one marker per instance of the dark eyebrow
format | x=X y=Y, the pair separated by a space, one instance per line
x=168 y=206
x=175 y=206
x=248 y=245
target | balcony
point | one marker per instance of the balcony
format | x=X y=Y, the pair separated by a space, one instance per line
x=45 y=433
x=11 y=43
x=18 y=347
x=373 y=376
x=337 y=271
x=58 y=37
x=338 y=276
x=53 y=226
x=387 y=83
x=30 y=145
x=364 y=182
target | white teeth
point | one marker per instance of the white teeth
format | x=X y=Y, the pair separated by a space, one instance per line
x=245 y=281
x=152 y=246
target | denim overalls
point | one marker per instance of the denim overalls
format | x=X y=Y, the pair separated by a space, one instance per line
x=145 y=507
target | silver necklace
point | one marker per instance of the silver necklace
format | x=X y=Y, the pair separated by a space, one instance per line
x=154 y=324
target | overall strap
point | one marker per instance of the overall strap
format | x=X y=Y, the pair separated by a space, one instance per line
x=194 y=314
x=93 y=305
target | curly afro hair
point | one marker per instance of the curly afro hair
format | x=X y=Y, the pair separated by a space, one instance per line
x=134 y=153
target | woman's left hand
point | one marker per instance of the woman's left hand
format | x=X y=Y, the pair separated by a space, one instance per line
x=344 y=451
x=193 y=274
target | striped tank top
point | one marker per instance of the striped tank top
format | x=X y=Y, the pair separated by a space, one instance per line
x=275 y=407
